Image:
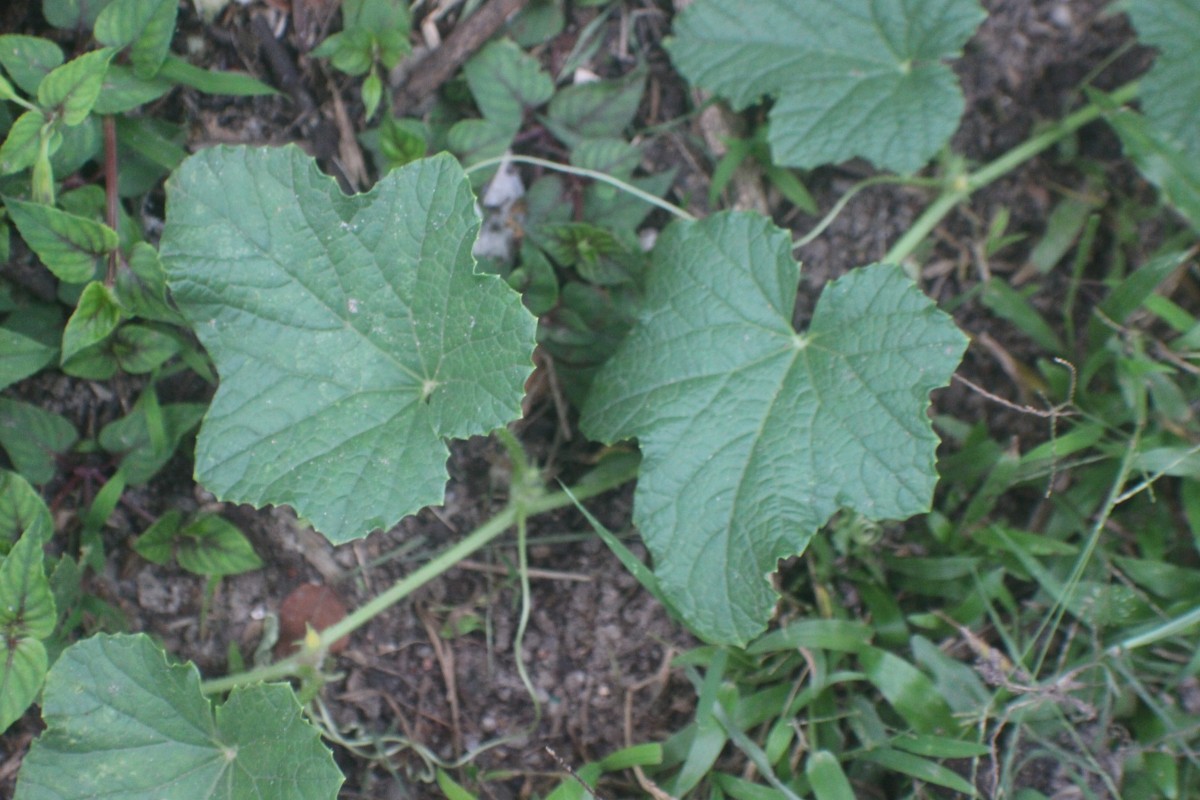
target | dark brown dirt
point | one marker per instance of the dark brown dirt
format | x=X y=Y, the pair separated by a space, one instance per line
x=434 y=679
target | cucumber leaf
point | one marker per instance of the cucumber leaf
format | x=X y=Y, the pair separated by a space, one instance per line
x=857 y=78
x=1170 y=91
x=123 y=722
x=352 y=334
x=752 y=434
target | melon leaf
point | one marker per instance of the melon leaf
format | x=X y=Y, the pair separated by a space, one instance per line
x=752 y=434
x=856 y=78
x=352 y=335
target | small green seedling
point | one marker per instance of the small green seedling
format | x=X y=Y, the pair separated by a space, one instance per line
x=373 y=39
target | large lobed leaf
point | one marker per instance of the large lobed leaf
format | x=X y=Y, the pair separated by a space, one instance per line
x=1165 y=143
x=752 y=434
x=1171 y=89
x=854 y=78
x=352 y=334
x=122 y=722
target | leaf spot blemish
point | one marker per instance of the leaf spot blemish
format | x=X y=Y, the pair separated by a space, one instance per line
x=352 y=305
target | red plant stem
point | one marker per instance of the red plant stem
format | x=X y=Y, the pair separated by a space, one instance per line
x=110 y=192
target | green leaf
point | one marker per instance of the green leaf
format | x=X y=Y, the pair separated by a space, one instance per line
x=477 y=139
x=72 y=89
x=615 y=209
x=1170 y=91
x=348 y=51
x=206 y=545
x=130 y=437
x=79 y=144
x=29 y=59
x=212 y=82
x=95 y=363
x=1141 y=284
x=124 y=722
x=505 y=81
x=1013 y=306
x=21 y=510
x=753 y=435
x=791 y=187
x=73 y=15
x=376 y=15
x=212 y=546
x=7 y=92
x=33 y=438
x=451 y=789
x=139 y=349
x=858 y=78
x=1161 y=578
x=352 y=334
x=537 y=22
x=151 y=141
x=20 y=148
x=67 y=244
x=141 y=286
x=95 y=318
x=396 y=142
x=817 y=634
x=907 y=689
x=157 y=543
x=596 y=110
x=27 y=613
x=123 y=91
x=921 y=769
x=595 y=253
x=638 y=755
x=26 y=605
x=939 y=746
x=616 y=157
x=146 y=24
x=391 y=45
x=21 y=675
x=825 y=775
x=536 y=280
x=1163 y=162
x=22 y=356
x=372 y=94
x=84 y=201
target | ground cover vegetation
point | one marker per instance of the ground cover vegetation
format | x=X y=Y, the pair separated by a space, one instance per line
x=996 y=595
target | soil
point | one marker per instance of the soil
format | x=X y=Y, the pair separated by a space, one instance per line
x=434 y=680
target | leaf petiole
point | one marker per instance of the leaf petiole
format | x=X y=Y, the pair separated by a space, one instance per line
x=584 y=173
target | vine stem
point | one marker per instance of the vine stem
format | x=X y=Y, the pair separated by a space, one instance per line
x=851 y=193
x=520 y=503
x=628 y=188
x=955 y=193
x=962 y=187
x=111 y=200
